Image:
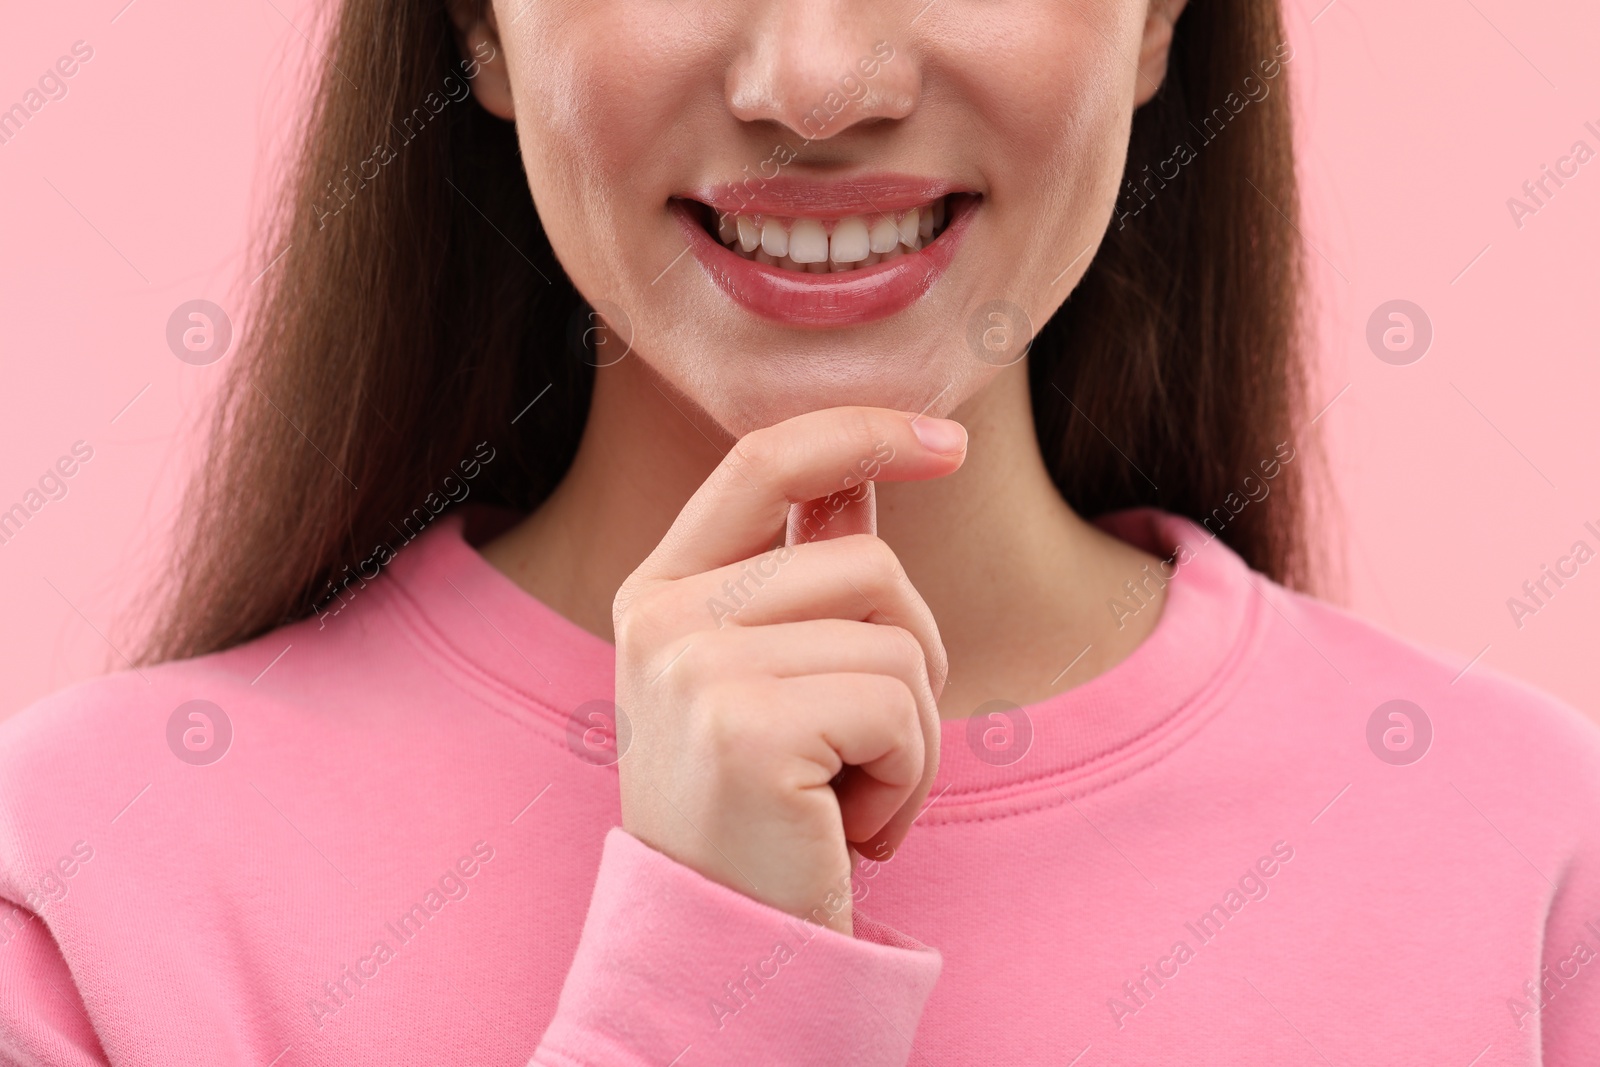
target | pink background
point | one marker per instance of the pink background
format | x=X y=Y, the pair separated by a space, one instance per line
x=1460 y=474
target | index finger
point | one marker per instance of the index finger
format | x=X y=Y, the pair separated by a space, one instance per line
x=738 y=511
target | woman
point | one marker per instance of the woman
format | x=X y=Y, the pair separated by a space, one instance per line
x=721 y=666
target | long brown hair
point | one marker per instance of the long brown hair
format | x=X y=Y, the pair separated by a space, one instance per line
x=417 y=309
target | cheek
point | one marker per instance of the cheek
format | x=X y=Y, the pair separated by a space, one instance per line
x=1071 y=149
x=601 y=94
x=1050 y=100
x=1055 y=86
x=607 y=98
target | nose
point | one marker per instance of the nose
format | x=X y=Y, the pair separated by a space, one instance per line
x=820 y=67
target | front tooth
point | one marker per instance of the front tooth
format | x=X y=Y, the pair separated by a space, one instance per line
x=763 y=257
x=774 y=239
x=925 y=225
x=726 y=228
x=908 y=228
x=850 y=242
x=788 y=263
x=938 y=212
x=808 y=242
x=749 y=233
x=885 y=234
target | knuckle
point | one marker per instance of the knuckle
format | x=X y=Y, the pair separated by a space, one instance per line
x=636 y=617
x=879 y=559
x=625 y=628
x=620 y=603
x=902 y=645
x=906 y=704
x=886 y=693
x=930 y=664
x=753 y=455
x=897 y=705
x=938 y=662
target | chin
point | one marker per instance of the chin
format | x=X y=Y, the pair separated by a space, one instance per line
x=750 y=393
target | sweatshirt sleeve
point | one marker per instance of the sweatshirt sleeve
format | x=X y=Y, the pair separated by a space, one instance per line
x=42 y=1018
x=1562 y=1002
x=673 y=968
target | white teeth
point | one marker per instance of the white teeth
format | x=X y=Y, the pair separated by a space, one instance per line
x=808 y=241
x=884 y=236
x=805 y=245
x=850 y=242
x=908 y=228
x=774 y=239
x=749 y=233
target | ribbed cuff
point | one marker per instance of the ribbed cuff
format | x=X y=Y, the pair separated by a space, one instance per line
x=673 y=968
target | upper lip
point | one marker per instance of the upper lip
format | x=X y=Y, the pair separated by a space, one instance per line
x=791 y=195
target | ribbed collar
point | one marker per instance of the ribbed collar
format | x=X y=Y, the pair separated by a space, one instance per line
x=543 y=666
x=1109 y=727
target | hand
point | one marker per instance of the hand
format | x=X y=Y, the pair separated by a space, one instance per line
x=784 y=700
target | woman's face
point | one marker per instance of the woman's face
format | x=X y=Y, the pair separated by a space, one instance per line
x=804 y=203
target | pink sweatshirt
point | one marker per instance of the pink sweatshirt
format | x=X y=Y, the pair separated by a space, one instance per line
x=390 y=835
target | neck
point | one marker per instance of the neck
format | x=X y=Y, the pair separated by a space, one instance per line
x=1017 y=582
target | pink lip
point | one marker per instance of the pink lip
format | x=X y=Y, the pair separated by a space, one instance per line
x=791 y=195
x=827 y=300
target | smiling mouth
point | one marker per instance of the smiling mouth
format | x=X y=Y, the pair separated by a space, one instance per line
x=825 y=254
x=811 y=245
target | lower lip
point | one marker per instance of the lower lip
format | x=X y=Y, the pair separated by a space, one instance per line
x=847 y=298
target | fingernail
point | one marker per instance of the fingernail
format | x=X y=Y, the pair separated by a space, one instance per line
x=944 y=436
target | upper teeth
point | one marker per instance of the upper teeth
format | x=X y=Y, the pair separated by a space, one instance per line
x=820 y=246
